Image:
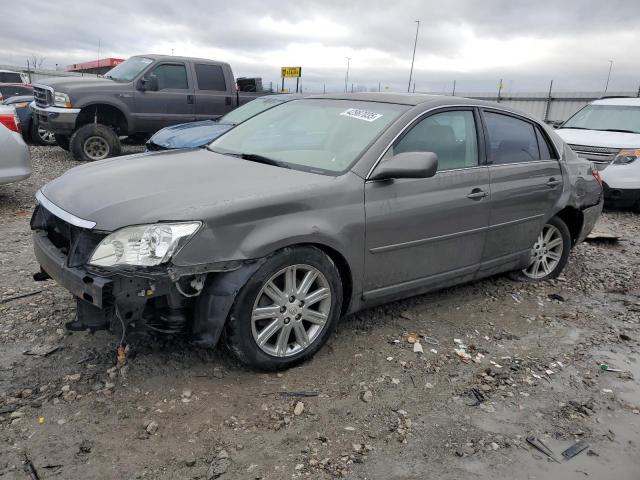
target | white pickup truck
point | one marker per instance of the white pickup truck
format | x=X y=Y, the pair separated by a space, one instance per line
x=607 y=132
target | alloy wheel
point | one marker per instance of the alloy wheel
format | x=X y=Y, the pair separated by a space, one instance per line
x=546 y=253
x=46 y=136
x=291 y=310
x=96 y=148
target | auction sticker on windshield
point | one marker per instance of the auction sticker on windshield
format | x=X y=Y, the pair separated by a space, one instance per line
x=360 y=114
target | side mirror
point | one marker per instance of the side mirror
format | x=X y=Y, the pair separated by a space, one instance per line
x=407 y=165
x=149 y=82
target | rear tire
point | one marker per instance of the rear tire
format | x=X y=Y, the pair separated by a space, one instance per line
x=549 y=254
x=93 y=142
x=287 y=310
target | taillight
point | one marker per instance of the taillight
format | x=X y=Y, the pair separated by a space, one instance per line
x=11 y=121
x=596 y=175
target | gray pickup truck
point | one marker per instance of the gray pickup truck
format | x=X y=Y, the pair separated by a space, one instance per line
x=136 y=98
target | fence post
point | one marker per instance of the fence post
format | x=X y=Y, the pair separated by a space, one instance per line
x=548 y=106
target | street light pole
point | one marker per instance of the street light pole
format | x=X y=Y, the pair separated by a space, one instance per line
x=606 y=87
x=415 y=44
x=346 y=78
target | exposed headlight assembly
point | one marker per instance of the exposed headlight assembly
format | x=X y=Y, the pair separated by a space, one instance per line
x=142 y=245
x=625 y=157
x=61 y=100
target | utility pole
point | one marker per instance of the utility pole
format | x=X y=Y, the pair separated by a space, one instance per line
x=453 y=92
x=415 y=44
x=548 y=106
x=346 y=78
x=606 y=87
x=499 y=90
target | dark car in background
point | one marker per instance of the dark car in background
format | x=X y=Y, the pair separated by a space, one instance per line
x=136 y=98
x=311 y=210
x=197 y=134
x=20 y=96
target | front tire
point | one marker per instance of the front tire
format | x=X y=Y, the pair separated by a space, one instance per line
x=93 y=142
x=549 y=254
x=287 y=310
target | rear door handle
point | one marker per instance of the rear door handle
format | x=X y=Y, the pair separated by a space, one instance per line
x=553 y=182
x=477 y=194
x=190 y=99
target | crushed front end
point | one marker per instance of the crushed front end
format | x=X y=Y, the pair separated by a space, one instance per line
x=115 y=299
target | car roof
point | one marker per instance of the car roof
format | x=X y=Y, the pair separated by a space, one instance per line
x=628 y=101
x=422 y=99
x=180 y=59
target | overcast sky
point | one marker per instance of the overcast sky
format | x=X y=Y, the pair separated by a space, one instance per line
x=475 y=42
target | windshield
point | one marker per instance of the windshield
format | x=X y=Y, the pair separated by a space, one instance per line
x=253 y=108
x=606 y=117
x=129 y=69
x=320 y=135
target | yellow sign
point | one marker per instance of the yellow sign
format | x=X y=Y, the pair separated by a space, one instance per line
x=291 y=72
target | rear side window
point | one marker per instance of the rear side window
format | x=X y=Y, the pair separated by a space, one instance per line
x=511 y=140
x=171 y=76
x=10 y=77
x=210 y=77
x=7 y=91
x=450 y=135
x=546 y=153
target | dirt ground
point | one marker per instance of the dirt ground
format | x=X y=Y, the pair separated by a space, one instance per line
x=366 y=407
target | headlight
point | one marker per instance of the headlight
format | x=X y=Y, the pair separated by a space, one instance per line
x=142 y=245
x=21 y=104
x=625 y=157
x=61 y=100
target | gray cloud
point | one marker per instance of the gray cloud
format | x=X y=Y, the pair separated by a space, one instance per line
x=569 y=41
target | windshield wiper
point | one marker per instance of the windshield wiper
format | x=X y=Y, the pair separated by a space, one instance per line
x=577 y=128
x=253 y=157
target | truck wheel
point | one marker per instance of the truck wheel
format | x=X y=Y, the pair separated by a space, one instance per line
x=40 y=136
x=93 y=142
x=287 y=310
x=62 y=141
x=549 y=253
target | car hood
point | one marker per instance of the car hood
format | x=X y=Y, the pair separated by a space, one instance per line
x=164 y=186
x=189 y=135
x=64 y=84
x=597 y=138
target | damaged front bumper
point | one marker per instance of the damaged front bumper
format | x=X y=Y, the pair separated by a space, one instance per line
x=99 y=295
x=194 y=299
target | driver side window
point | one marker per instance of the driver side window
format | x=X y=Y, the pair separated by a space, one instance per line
x=450 y=135
x=171 y=76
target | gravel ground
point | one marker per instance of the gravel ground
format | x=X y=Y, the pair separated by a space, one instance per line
x=366 y=407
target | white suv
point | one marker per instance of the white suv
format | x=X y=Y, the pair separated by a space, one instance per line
x=607 y=132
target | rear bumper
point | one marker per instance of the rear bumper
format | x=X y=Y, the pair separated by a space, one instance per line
x=16 y=159
x=590 y=217
x=621 y=197
x=55 y=119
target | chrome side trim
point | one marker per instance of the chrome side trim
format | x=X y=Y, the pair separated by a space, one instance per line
x=423 y=241
x=63 y=214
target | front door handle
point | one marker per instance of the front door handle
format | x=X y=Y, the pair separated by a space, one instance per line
x=190 y=99
x=553 y=182
x=477 y=194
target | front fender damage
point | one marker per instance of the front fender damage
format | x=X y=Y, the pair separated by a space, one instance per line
x=215 y=301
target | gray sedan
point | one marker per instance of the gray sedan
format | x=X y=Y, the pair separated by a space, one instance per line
x=15 y=159
x=310 y=211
